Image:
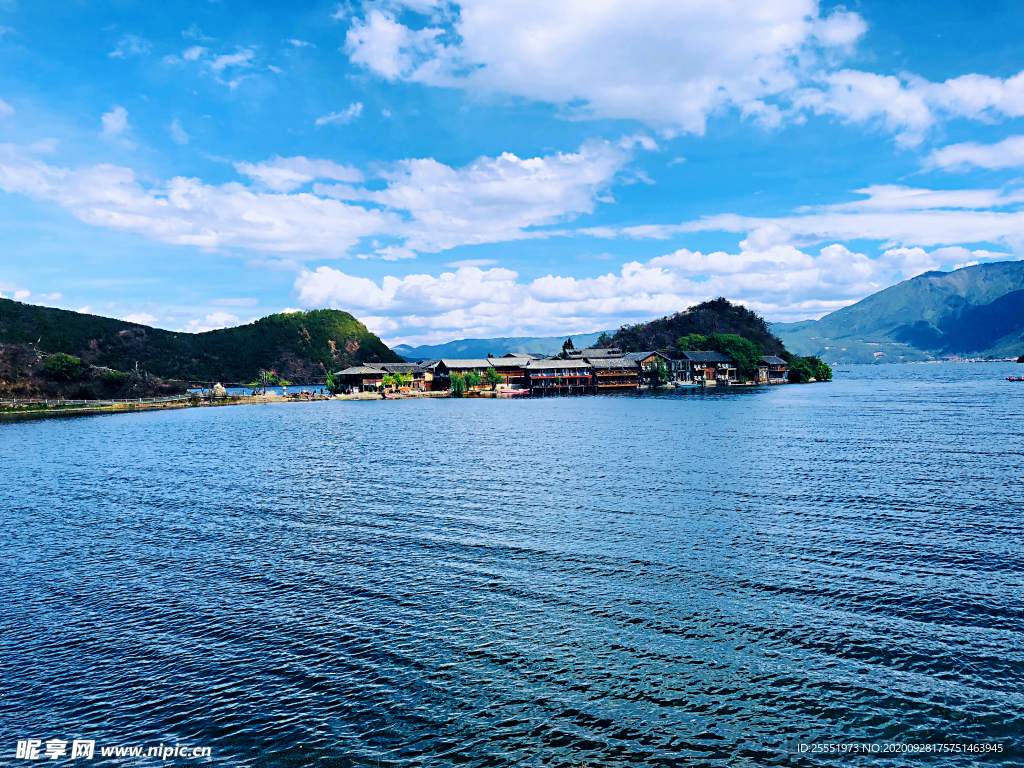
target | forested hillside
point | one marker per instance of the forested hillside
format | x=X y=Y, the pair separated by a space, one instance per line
x=298 y=346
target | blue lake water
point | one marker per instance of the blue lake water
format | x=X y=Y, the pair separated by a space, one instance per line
x=677 y=579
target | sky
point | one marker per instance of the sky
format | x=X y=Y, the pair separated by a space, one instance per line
x=496 y=168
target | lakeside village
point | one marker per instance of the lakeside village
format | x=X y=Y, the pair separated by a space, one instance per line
x=577 y=372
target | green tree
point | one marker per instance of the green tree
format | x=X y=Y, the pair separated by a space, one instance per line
x=458 y=384
x=387 y=381
x=803 y=369
x=691 y=342
x=660 y=372
x=473 y=379
x=64 y=367
x=747 y=354
x=567 y=347
x=333 y=384
x=492 y=377
x=603 y=339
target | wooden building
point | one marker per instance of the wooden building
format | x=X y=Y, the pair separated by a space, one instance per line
x=711 y=367
x=614 y=373
x=778 y=370
x=648 y=362
x=559 y=377
x=447 y=366
x=418 y=382
x=512 y=370
x=360 y=378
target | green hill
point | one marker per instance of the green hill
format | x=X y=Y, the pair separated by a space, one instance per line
x=717 y=316
x=299 y=346
x=971 y=312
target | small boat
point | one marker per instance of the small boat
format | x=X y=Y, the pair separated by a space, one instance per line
x=1015 y=378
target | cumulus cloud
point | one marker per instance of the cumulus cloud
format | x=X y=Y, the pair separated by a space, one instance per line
x=908 y=106
x=780 y=281
x=284 y=174
x=141 y=318
x=424 y=205
x=891 y=214
x=211 y=323
x=1008 y=153
x=352 y=112
x=669 y=63
x=115 y=122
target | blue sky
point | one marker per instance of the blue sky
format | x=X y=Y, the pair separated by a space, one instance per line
x=501 y=168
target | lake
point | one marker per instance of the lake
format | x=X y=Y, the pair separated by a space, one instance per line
x=669 y=579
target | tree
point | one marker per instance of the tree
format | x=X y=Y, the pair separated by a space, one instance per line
x=603 y=339
x=567 y=347
x=334 y=385
x=803 y=369
x=64 y=367
x=660 y=372
x=746 y=354
x=691 y=342
x=388 y=380
x=492 y=377
x=473 y=379
x=458 y=384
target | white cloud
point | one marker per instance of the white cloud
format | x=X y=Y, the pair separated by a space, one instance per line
x=424 y=205
x=130 y=45
x=352 y=112
x=141 y=318
x=178 y=135
x=891 y=214
x=669 y=63
x=5 y=108
x=780 y=281
x=115 y=123
x=1008 y=153
x=301 y=43
x=194 y=53
x=186 y=211
x=284 y=174
x=87 y=309
x=492 y=199
x=22 y=295
x=211 y=323
x=241 y=58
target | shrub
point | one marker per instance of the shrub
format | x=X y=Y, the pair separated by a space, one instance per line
x=115 y=379
x=473 y=379
x=62 y=366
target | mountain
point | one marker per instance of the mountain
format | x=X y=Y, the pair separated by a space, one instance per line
x=715 y=316
x=298 y=345
x=970 y=312
x=538 y=345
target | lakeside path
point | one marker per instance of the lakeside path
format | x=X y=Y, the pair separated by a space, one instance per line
x=17 y=411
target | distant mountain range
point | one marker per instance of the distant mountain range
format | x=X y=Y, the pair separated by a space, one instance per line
x=299 y=346
x=463 y=348
x=971 y=312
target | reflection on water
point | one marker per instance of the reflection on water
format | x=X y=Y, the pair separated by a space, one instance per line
x=669 y=579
